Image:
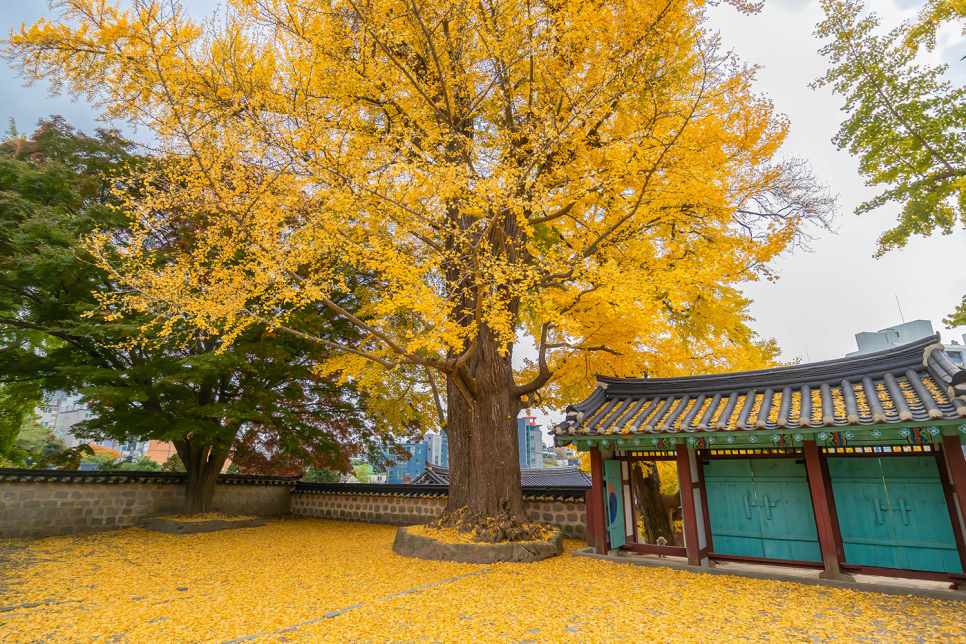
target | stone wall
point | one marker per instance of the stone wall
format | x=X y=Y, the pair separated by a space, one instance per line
x=570 y=516
x=368 y=508
x=43 y=509
x=41 y=503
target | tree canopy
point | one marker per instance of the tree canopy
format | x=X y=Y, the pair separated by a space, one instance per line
x=905 y=117
x=596 y=177
x=259 y=401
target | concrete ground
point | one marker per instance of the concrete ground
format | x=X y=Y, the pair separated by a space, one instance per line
x=311 y=580
x=866 y=583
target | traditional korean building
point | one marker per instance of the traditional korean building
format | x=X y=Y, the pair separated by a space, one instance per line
x=853 y=465
x=570 y=477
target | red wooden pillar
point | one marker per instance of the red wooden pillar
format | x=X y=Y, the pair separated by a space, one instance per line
x=630 y=520
x=596 y=529
x=693 y=528
x=823 y=516
x=956 y=462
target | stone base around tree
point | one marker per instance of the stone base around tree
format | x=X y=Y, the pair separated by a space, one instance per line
x=419 y=547
x=176 y=526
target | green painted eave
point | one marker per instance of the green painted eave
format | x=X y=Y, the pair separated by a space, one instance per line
x=880 y=434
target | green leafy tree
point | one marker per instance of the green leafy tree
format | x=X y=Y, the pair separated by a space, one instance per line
x=18 y=400
x=261 y=402
x=37 y=439
x=174 y=464
x=139 y=464
x=363 y=472
x=321 y=475
x=905 y=118
x=104 y=461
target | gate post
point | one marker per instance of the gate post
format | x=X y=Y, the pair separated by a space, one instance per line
x=956 y=466
x=594 y=498
x=823 y=517
x=692 y=512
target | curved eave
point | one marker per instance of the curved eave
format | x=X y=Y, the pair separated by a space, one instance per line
x=916 y=383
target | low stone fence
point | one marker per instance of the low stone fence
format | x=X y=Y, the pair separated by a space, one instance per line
x=43 y=503
x=406 y=505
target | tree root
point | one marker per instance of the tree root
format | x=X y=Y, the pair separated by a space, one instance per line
x=503 y=527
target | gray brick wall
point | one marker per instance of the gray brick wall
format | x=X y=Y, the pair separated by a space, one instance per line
x=368 y=508
x=49 y=509
x=571 y=518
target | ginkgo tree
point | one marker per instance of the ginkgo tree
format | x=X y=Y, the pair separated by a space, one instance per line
x=595 y=177
x=905 y=116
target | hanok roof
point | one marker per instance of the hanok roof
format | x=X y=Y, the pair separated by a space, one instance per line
x=912 y=383
x=529 y=476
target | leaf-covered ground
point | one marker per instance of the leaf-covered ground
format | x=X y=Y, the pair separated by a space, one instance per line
x=282 y=582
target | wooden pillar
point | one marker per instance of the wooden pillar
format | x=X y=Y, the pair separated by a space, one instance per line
x=691 y=507
x=823 y=516
x=630 y=506
x=596 y=527
x=956 y=467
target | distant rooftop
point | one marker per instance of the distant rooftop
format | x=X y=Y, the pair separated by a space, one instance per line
x=529 y=476
x=894 y=336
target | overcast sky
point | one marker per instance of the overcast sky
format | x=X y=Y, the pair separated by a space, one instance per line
x=823 y=298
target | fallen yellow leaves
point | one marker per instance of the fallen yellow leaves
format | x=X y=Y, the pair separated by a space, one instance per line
x=450 y=535
x=270 y=582
x=205 y=516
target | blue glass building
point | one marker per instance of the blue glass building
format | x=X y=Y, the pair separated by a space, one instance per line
x=412 y=468
x=531 y=444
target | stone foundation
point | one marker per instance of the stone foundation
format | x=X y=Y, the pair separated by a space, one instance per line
x=420 y=547
x=173 y=526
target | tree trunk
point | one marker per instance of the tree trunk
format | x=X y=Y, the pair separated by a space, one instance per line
x=203 y=465
x=652 y=506
x=485 y=492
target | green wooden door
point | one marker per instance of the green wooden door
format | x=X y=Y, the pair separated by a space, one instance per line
x=761 y=508
x=614 y=503
x=784 y=505
x=735 y=528
x=892 y=513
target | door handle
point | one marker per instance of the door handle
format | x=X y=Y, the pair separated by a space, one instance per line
x=766 y=504
x=902 y=508
x=905 y=509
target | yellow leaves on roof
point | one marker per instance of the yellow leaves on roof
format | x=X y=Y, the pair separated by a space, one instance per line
x=938 y=394
x=816 y=410
x=138 y=586
x=838 y=405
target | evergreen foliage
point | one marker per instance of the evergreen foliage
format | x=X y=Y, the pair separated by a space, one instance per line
x=36 y=438
x=259 y=400
x=321 y=475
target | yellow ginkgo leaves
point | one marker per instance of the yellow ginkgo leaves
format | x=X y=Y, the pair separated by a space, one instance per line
x=280 y=581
